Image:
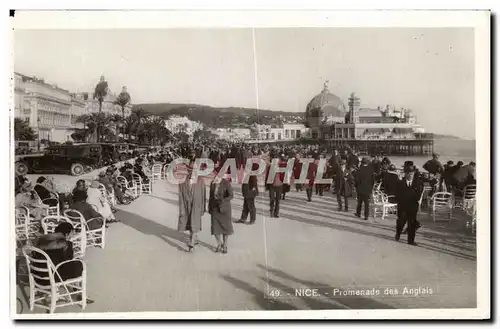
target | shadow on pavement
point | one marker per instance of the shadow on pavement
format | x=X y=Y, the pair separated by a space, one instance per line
x=288 y=302
x=259 y=296
x=174 y=238
x=300 y=214
x=350 y=302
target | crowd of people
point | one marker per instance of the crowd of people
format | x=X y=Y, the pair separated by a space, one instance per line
x=349 y=173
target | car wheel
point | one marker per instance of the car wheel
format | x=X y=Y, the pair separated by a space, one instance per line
x=21 y=168
x=77 y=169
x=122 y=157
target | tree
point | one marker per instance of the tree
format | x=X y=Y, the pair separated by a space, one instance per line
x=97 y=122
x=123 y=99
x=100 y=92
x=22 y=131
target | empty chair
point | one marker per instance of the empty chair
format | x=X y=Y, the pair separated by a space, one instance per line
x=424 y=197
x=47 y=281
x=80 y=238
x=442 y=203
x=382 y=205
x=156 y=172
x=142 y=187
x=469 y=195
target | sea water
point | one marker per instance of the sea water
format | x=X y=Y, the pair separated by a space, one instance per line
x=448 y=149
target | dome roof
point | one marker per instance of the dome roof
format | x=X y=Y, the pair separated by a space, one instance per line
x=325 y=104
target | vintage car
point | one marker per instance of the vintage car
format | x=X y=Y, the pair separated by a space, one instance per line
x=74 y=159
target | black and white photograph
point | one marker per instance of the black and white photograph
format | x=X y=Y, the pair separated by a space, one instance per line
x=244 y=165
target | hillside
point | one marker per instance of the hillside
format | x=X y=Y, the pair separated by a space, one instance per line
x=220 y=117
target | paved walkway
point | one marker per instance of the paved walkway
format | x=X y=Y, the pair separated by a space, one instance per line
x=145 y=266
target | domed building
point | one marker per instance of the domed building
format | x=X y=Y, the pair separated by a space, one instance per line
x=324 y=109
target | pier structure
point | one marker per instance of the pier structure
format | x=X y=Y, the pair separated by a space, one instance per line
x=366 y=130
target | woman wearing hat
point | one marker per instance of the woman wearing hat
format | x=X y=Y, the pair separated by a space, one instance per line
x=27 y=198
x=219 y=207
x=96 y=199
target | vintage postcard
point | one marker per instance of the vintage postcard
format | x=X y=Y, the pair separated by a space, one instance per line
x=250 y=165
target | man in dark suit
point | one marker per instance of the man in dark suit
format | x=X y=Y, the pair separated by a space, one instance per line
x=407 y=195
x=249 y=190
x=364 y=186
x=343 y=185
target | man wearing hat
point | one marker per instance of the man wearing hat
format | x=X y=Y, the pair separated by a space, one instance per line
x=343 y=185
x=364 y=186
x=407 y=196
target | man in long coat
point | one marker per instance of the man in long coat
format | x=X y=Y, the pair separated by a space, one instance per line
x=364 y=186
x=408 y=194
x=192 y=200
x=343 y=185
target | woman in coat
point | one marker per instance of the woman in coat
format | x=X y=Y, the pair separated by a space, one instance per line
x=192 y=198
x=219 y=207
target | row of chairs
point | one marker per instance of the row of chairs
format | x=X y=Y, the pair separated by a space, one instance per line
x=40 y=266
x=439 y=203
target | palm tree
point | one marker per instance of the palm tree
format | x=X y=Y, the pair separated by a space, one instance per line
x=100 y=120
x=22 y=131
x=123 y=99
x=100 y=92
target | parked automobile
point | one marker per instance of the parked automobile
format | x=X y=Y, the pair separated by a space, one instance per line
x=75 y=159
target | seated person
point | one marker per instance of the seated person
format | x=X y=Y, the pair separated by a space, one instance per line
x=390 y=181
x=80 y=186
x=27 y=198
x=59 y=249
x=43 y=189
x=111 y=183
x=100 y=202
x=92 y=217
x=138 y=169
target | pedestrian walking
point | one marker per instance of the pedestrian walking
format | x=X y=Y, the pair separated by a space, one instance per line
x=219 y=207
x=408 y=195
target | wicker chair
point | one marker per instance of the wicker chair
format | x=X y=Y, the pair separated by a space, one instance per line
x=59 y=291
x=80 y=238
x=442 y=203
x=382 y=205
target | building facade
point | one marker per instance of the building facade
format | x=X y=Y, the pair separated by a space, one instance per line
x=52 y=111
x=108 y=105
x=45 y=107
x=178 y=124
x=284 y=132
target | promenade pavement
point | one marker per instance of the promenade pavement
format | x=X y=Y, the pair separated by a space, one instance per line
x=146 y=267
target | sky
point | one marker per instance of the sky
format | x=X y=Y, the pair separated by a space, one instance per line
x=430 y=71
